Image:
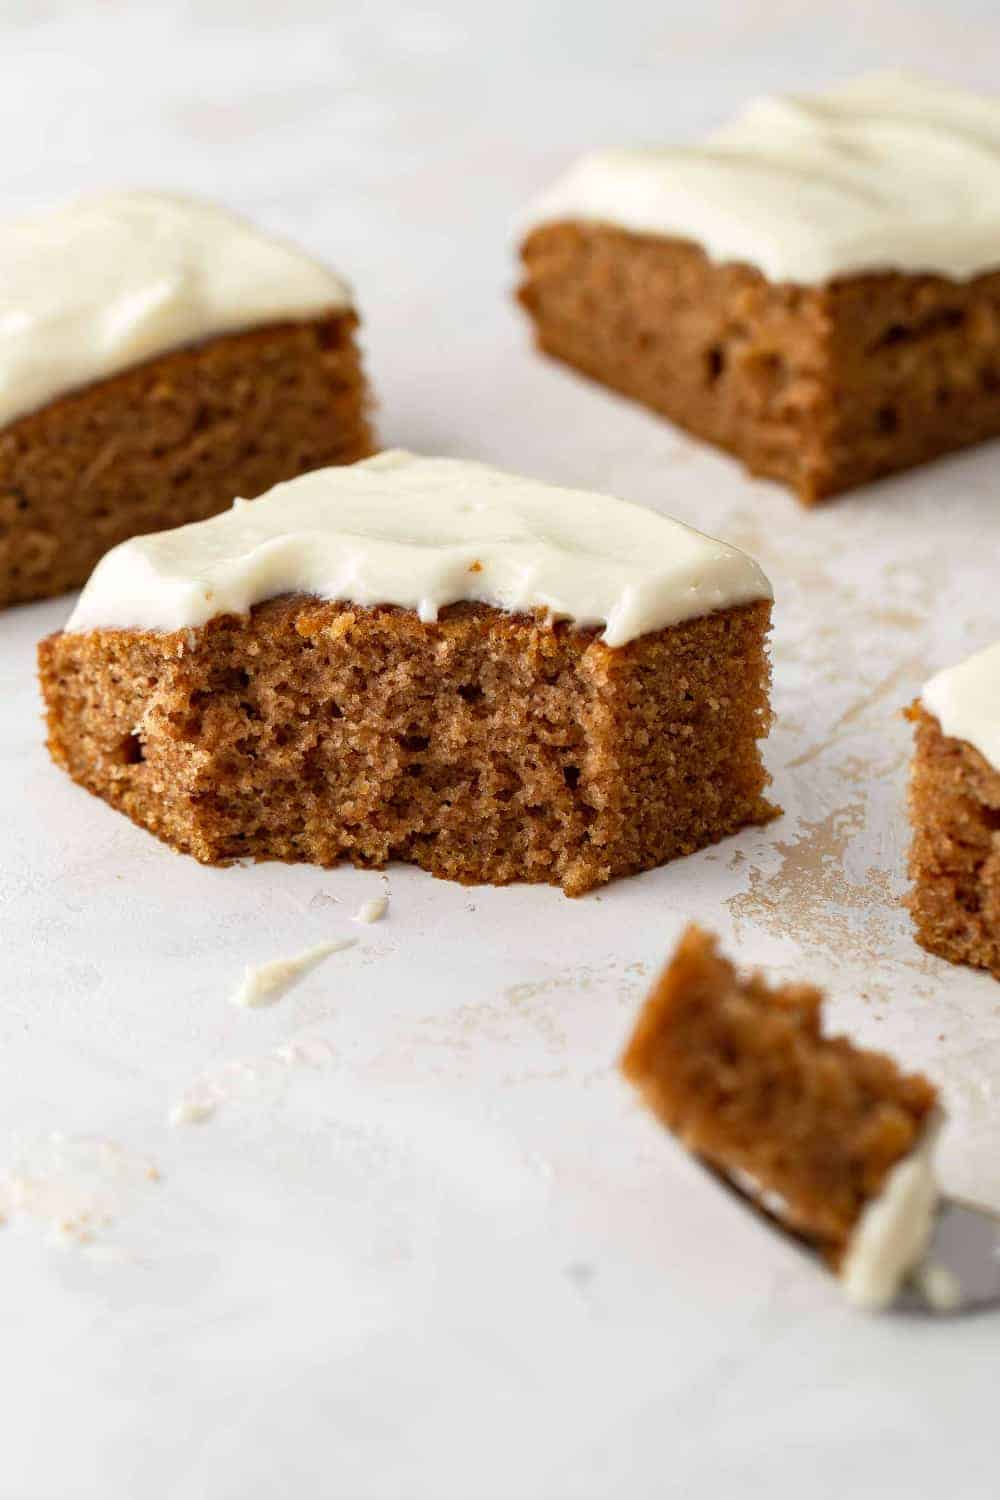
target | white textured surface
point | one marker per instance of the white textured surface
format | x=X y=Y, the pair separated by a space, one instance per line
x=428 y=1247
x=423 y=533
x=965 y=700
x=94 y=286
x=892 y=171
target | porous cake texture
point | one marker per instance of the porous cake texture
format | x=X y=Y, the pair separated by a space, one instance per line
x=954 y=863
x=741 y=1072
x=172 y=442
x=158 y=357
x=814 y=290
x=483 y=743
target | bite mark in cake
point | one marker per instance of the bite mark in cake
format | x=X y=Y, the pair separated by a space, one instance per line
x=815 y=288
x=324 y=674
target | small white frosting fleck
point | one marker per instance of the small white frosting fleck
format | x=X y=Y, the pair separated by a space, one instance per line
x=423 y=533
x=965 y=700
x=193 y=1109
x=889 y=172
x=373 y=910
x=266 y=983
x=893 y=1231
x=104 y=282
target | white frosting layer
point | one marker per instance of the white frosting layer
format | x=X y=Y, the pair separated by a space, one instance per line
x=103 y=283
x=965 y=700
x=891 y=1236
x=423 y=533
x=890 y=172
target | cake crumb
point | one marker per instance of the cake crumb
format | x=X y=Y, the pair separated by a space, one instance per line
x=264 y=984
x=75 y=1188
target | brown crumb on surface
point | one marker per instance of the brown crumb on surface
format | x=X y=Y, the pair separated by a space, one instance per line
x=174 y=440
x=485 y=747
x=822 y=388
x=741 y=1072
x=954 y=803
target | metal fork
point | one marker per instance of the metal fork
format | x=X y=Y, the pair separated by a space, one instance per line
x=963 y=1254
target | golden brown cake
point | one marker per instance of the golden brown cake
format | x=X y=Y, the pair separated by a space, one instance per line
x=742 y=1074
x=809 y=290
x=483 y=742
x=192 y=360
x=954 y=802
x=821 y=388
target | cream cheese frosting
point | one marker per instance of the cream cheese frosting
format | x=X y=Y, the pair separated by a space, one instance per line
x=889 y=172
x=423 y=533
x=96 y=286
x=894 y=1230
x=965 y=700
x=264 y=984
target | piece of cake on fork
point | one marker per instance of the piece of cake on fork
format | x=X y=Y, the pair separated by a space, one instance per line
x=815 y=288
x=157 y=357
x=426 y=660
x=954 y=799
x=832 y=1140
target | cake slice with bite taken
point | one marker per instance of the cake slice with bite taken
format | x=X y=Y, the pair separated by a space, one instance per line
x=428 y=660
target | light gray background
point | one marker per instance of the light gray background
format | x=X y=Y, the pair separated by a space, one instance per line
x=444 y=1255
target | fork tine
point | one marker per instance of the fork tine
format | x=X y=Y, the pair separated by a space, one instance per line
x=964 y=1249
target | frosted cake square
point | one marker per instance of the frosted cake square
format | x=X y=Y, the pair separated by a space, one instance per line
x=426 y=660
x=157 y=357
x=815 y=288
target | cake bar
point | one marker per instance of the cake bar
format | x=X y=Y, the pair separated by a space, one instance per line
x=157 y=357
x=427 y=660
x=815 y=289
